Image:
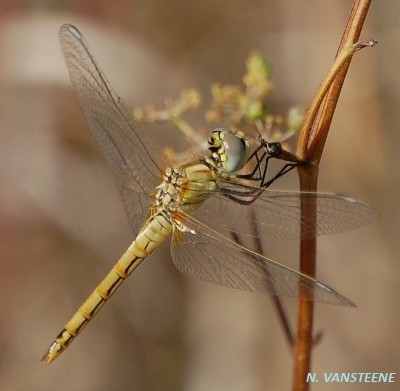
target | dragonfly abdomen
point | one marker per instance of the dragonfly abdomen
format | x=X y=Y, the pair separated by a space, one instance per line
x=156 y=229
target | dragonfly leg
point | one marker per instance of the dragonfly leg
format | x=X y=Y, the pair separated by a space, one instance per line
x=284 y=170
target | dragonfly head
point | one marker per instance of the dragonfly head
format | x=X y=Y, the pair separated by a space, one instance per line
x=228 y=149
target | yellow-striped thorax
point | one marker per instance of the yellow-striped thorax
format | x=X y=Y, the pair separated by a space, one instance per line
x=187 y=185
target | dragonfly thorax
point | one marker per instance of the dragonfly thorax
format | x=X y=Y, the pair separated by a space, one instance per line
x=185 y=186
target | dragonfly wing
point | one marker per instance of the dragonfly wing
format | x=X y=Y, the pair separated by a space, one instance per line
x=201 y=252
x=124 y=143
x=277 y=214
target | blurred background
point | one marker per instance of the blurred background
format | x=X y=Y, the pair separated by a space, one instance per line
x=63 y=225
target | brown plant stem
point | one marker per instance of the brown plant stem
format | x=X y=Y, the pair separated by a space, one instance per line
x=310 y=146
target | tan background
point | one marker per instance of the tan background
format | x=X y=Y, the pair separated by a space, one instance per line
x=63 y=226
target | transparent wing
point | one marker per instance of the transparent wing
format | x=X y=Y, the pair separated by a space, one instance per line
x=126 y=146
x=277 y=214
x=204 y=253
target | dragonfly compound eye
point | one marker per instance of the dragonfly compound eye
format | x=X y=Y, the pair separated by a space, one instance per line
x=228 y=149
x=235 y=149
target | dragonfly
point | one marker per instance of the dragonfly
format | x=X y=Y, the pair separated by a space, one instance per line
x=201 y=201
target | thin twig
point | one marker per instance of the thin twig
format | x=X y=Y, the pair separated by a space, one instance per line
x=275 y=299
